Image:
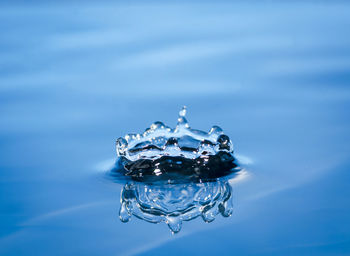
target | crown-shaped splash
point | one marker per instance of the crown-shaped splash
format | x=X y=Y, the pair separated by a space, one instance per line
x=160 y=140
x=179 y=170
x=162 y=150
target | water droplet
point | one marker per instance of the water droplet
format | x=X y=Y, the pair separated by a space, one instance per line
x=216 y=130
x=124 y=213
x=209 y=214
x=174 y=223
x=157 y=125
x=183 y=111
x=226 y=208
x=122 y=146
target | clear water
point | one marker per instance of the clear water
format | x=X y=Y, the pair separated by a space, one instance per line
x=76 y=76
x=160 y=140
x=185 y=152
x=175 y=154
x=175 y=203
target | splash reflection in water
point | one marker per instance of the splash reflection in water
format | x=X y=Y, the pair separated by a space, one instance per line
x=175 y=203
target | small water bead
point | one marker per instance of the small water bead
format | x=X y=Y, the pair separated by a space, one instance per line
x=124 y=213
x=122 y=146
x=209 y=214
x=216 y=130
x=157 y=125
x=174 y=224
x=226 y=208
x=183 y=111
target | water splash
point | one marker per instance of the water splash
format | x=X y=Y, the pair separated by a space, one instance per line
x=161 y=151
x=174 y=203
x=179 y=169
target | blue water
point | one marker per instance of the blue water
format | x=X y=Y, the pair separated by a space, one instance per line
x=76 y=76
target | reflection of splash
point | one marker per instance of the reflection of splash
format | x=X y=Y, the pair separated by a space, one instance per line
x=175 y=203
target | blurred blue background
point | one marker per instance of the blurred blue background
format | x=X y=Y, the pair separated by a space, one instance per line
x=74 y=76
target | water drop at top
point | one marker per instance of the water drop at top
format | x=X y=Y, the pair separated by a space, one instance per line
x=182 y=121
x=182 y=112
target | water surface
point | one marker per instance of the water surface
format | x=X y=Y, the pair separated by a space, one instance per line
x=76 y=76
